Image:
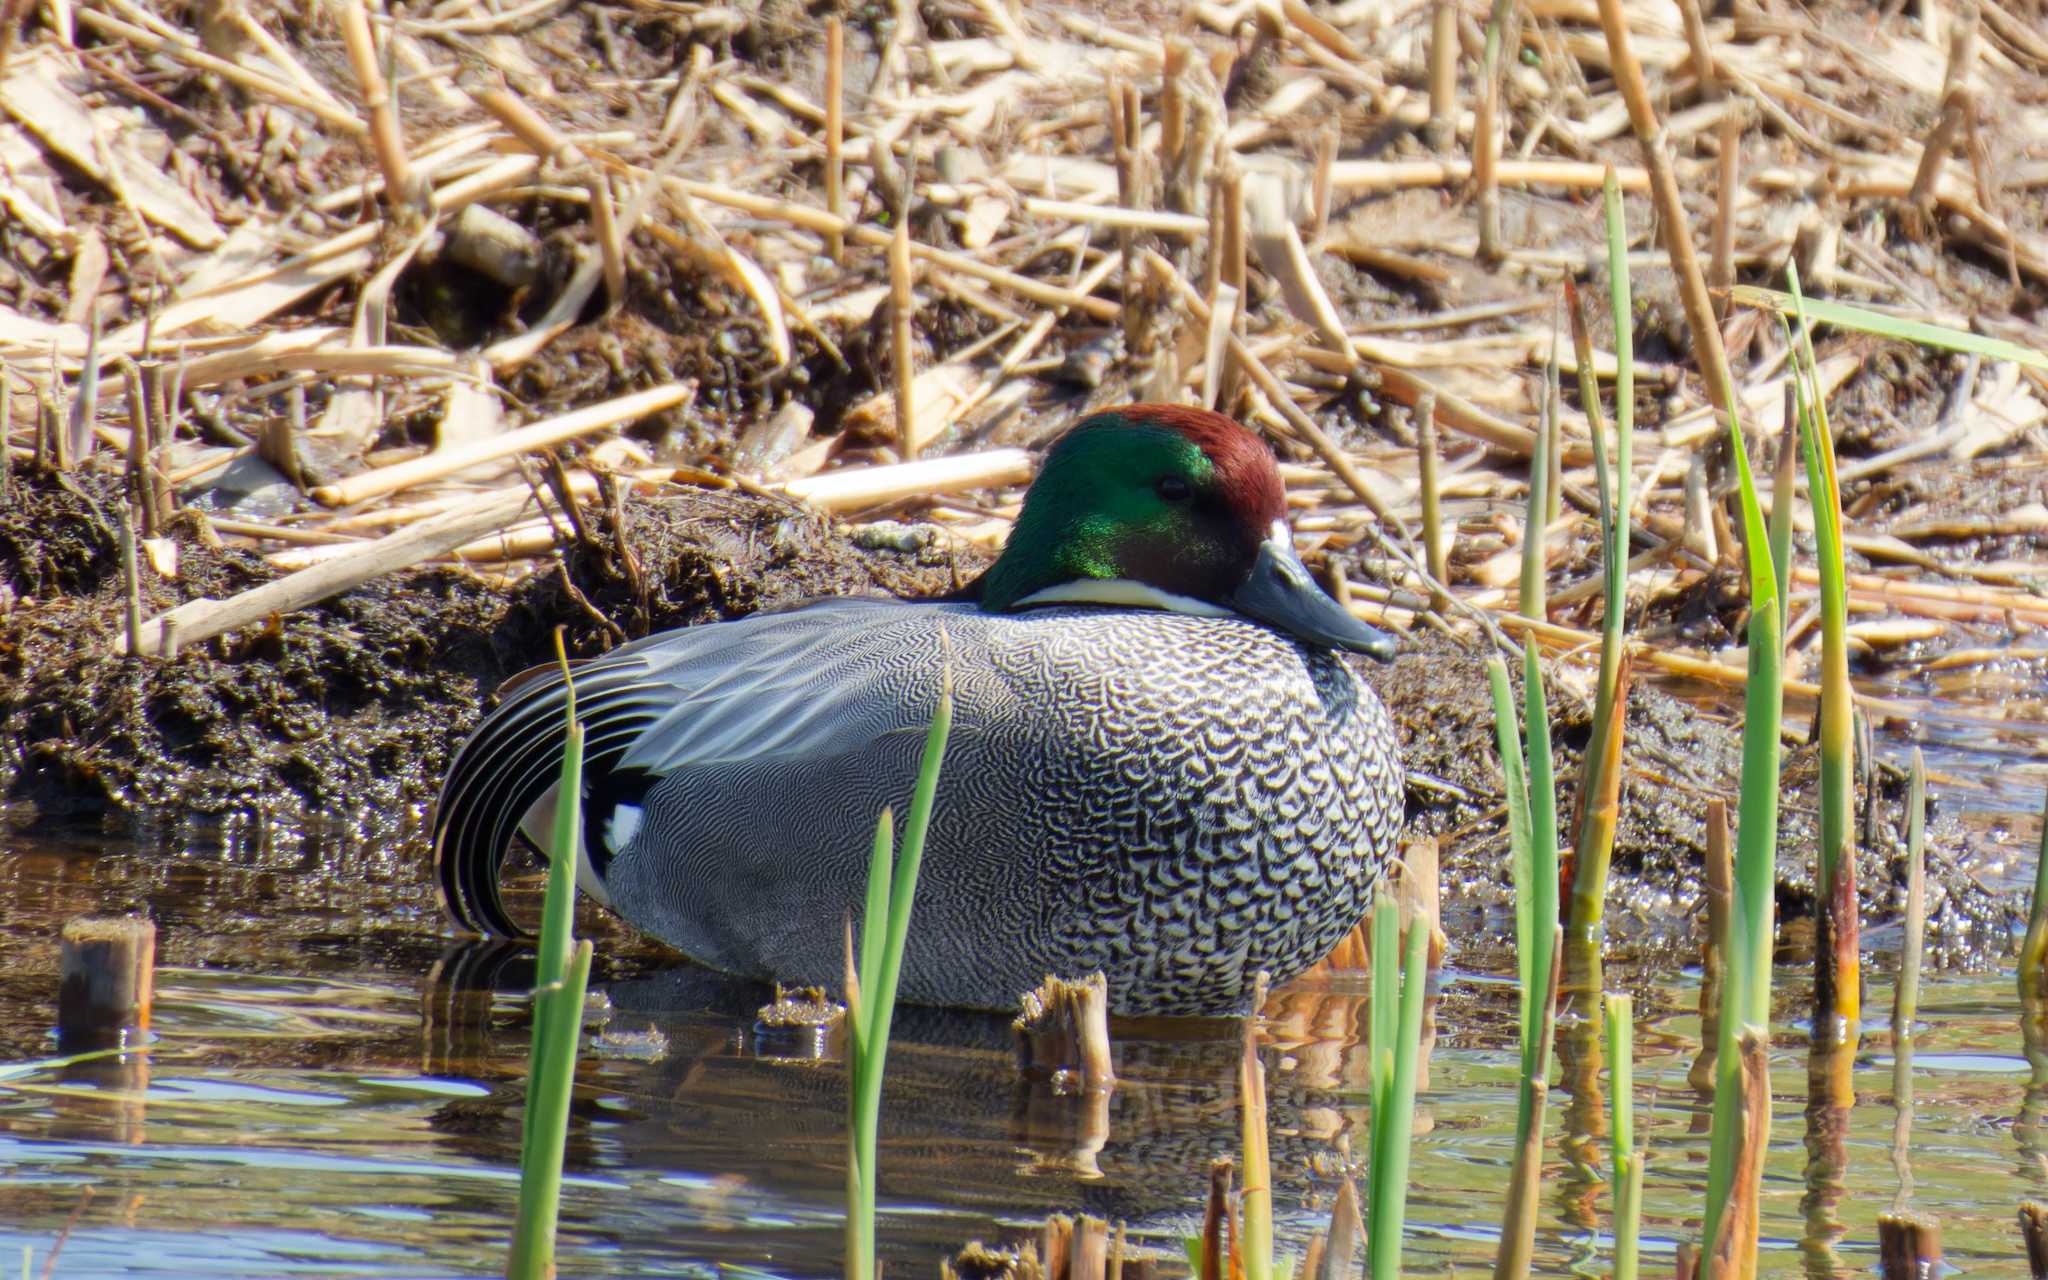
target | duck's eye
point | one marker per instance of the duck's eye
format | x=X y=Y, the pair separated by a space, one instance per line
x=1174 y=488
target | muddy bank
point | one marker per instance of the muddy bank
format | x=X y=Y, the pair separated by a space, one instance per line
x=348 y=712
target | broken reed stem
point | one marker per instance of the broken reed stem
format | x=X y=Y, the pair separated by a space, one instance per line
x=835 y=133
x=1064 y=1028
x=1940 y=141
x=2034 y=1230
x=131 y=580
x=611 y=242
x=902 y=300
x=1699 y=309
x=141 y=487
x=1442 y=129
x=1319 y=188
x=1720 y=896
x=1701 y=48
x=1908 y=1247
x=1728 y=173
x=1733 y=1255
x=1126 y=130
x=1518 y=1227
x=1215 y=1221
x=1486 y=136
x=401 y=188
x=1906 y=996
x=1435 y=553
x=109 y=974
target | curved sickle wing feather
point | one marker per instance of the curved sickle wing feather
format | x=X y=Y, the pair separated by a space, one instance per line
x=509 y=764
x=793 y=684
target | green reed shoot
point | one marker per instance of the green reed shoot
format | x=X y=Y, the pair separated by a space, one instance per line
x=1600 y=781
x=1396 y=1046
x=1746 y=990
x=1838 y=988
x=1627 y=1160
x=1532 y=836
x=2034 y=951
x=561 y=976
x=1844 y=316
x=871 y=989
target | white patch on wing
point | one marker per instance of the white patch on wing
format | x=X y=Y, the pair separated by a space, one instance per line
x=622 y=826
x=1123 y=591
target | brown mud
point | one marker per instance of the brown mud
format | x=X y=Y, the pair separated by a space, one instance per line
x=348 y=712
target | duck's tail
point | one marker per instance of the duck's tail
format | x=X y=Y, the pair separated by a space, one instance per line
x=511 y=762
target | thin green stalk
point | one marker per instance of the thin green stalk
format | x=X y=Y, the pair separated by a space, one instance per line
x=1906 y=999
x=1839 y=991
x=875 y=1007
x=1542 y=845
x=1599 y=784
x=2034 y=951
x=562 y=975
x=1385 y=1028
x=1394 y=1112
x=1746 y=993
x=1530 y=603
x=1520 y=864
x=1784 y=496
x=1627 y=1161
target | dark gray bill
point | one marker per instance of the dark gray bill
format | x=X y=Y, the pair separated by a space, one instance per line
x=1279 y=592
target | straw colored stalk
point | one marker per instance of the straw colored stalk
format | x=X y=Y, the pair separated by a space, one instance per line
x=1906 y=997
x=835 y=133
x=1436 y=551
x=204 y=618
x=1699 y=309
x=1486 y=134
x=1442 y=129
x=401 y=188
x=902 y=308
x=1257 y=1197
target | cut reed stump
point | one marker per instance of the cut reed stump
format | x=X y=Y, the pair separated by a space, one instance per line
x=1908 y=1247
x=1064 y=1033
x=2034 y=1227
x=109 y=976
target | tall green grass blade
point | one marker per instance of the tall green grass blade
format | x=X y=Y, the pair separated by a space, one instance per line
x=873 y=934
x=869 y=1050
x=562 y=975
x=1389 y=1169
x=1519 y=839
x=1906 y=999
x=1542 y=885
x=1746 y=993
x=1863 y=320
x=2034 y=950
x=1626 y=1162
x=1385 y=1027
x=1530 y=603
x=1840 y=988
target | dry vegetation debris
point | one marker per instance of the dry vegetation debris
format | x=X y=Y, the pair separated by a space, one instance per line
x=335 y=289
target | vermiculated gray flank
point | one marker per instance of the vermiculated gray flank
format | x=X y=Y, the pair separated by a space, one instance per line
x=1178 y=801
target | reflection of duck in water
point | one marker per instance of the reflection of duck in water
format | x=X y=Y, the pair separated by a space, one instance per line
x=1158 y=767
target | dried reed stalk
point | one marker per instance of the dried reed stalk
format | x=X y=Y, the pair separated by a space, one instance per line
x=1486 y=134
x=1442 y=129
x=1719 y=877
x=1699 y=307
x=902 y=352
x=835 y=134
x=401 y=188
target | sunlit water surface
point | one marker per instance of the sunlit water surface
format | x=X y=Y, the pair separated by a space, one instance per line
x=332 y=1090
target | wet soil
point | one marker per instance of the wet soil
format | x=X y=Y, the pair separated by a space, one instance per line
x=349 y=711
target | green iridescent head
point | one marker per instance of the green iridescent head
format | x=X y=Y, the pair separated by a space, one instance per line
x=1164 y=506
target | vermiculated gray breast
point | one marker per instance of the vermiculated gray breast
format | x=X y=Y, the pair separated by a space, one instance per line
x=1178 y=801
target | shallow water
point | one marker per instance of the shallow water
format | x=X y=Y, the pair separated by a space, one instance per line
x=332 y=1090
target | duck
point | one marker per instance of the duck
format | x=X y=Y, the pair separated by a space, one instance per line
x=1161 y=766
